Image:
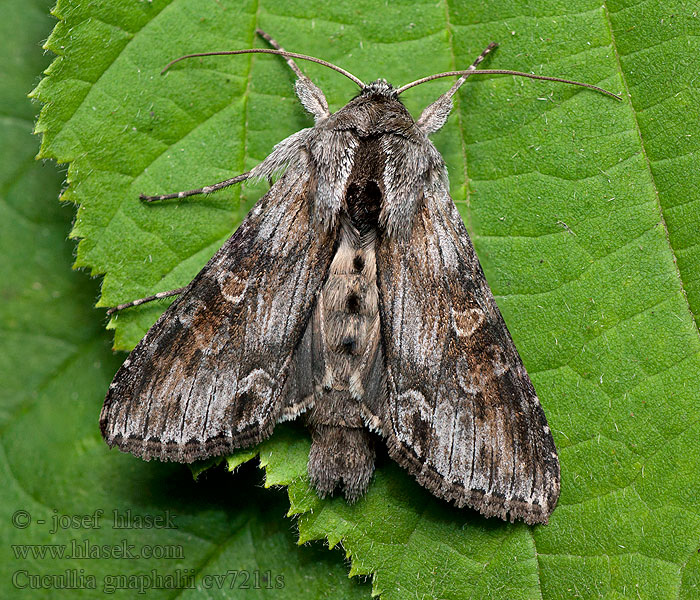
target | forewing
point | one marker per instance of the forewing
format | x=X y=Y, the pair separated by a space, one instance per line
x=462 y=415
x=209 y=375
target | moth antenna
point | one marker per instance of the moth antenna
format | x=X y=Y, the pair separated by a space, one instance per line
x=284 y=53
x=473 y=71
x=273 y=42
x=458 y=84
x=435 y=115
x=310 y=95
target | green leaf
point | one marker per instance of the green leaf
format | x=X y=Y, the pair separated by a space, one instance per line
x=55 y=365
x=583 y=211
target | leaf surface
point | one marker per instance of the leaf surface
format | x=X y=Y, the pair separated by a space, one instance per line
x=583 y=211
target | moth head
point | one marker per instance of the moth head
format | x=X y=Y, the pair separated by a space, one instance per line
x=380 y=87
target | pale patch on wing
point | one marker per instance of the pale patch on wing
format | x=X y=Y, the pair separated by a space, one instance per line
x=259 y=387
x=413 y=416
x=467 y=321
x=233 y=288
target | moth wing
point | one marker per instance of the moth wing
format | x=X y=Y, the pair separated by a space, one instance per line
x=211 y=374
x=462 y=415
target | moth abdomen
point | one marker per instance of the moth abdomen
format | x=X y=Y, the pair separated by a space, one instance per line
x=341 y=457
x=346 y=323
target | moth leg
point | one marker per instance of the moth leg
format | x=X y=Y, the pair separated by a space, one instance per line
x=207 y=189
x=158 y=296
x=310 y=95
x=435 y=115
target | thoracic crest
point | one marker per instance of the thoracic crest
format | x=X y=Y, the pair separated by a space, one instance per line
x=380 y=87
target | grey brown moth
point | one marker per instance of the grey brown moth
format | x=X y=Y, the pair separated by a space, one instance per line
x=351 y=295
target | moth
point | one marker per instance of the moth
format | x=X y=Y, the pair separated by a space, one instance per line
x=350 y=295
